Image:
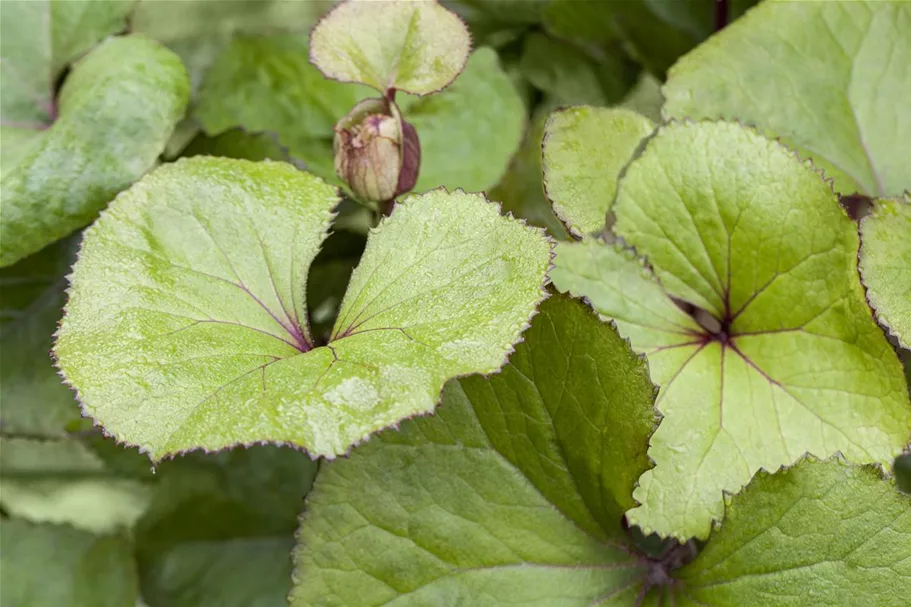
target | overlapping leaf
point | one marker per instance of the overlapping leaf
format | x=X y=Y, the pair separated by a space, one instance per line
x=830 y=78
x=416 y=46
x=486 y=502
x=820 y=534
x=585 y=149
x=787 y=358
x=885 y=264
x=116 y=112
x=187 y=322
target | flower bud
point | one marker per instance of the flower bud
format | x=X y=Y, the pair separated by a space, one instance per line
x=376 y=152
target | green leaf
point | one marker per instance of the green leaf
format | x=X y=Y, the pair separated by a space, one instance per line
x=884 y=264
x=417 y=47
x=64 y=481
x=237 y=143
x=818 y=534
x=645 y=97
x=788 y=358
x=470 y=131
x=584 y=150
x=200 y=30
x=220 y=528
x=58 y=565
x=497 y=23
x=571 y=76
x=827 y=77
x=491 y=501
x=117 y=110
x=31 y=300
x=264 y=83
x=187 y=323
x=39 y=38
x=520 y=189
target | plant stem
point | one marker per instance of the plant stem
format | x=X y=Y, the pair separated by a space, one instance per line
x=721 y=14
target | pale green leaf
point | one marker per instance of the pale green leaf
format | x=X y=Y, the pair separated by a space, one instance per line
x=885 y=264
x=585 y=149
x=187 y=322
x=830 y=78
x=64 y=481
x=34 y=401
x=264 y=83
x=416 y=46
x=58 y=565
x=37 y=40
x=821 y=534
x=456 y=509
x=790 y=360
x=116 y=112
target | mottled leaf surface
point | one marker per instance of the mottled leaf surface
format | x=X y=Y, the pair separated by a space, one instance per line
x=585 y=148
x=187 y=322
x=885 y=264
x=788 y=359
x=59 y=565
x=38 y=39
x=829 y=78
x=416 y=46
x=116 y=111
x=488 y=502
x=818 y=534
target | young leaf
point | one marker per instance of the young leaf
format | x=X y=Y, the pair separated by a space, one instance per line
x=885 y=264
x=34 y=401
x=116 y=112
x=819 y=534
x=58 y=565
x=413 y=46
x=468 y=132
x=788 y=358
x=585 y=149
x=513 y=492
x=187 y=323
x=827 y=77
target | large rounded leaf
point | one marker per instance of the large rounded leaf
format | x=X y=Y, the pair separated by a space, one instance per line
x=187 y=325
x=885 y=264
x=117 y=110
x=787 y=358
x=830 y=78
x=512 y=493
x=416 y=46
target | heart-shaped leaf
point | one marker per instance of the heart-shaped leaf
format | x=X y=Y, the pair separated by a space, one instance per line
x=416 y=46
x=787 y=358
x=885 y=264
x=187 y=322
x=117 y=110
x=816 y=535
x=585 y=149
x=513 y=492
x=830 y=78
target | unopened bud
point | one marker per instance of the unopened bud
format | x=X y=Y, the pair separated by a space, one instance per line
x=376 y=152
